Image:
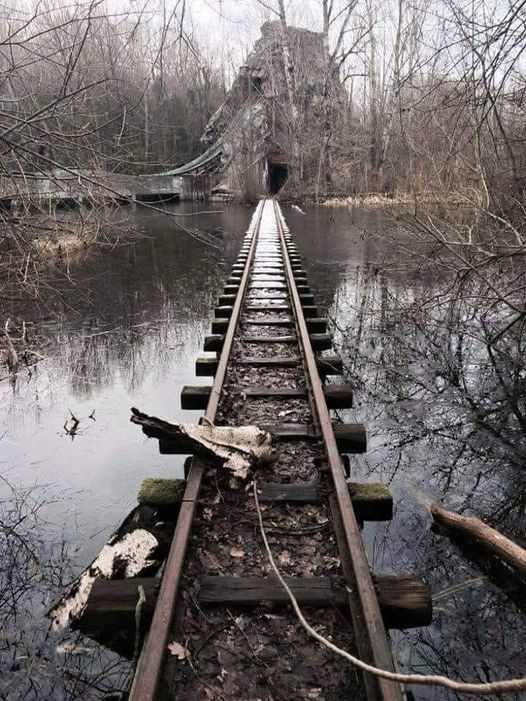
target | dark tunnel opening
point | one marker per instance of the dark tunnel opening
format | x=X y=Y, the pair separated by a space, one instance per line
x=277 y=176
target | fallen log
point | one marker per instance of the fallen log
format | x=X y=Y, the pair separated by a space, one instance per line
x=476 y=530
x=136 y=549
x=239 y=448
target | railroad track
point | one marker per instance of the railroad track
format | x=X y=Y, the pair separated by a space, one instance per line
x=218 y=599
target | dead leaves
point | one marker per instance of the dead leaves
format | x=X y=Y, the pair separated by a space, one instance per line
x=178 y=651
x=285 y=558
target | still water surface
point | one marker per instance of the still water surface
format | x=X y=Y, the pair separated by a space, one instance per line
x=128 y=335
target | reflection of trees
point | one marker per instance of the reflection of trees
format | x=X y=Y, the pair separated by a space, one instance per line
x=130 y=308
x=439 y=387
x=127 y=311
x=444 y=406
x=36 y=663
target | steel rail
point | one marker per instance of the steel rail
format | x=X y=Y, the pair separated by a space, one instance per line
x=148 y=672
x=371 y=619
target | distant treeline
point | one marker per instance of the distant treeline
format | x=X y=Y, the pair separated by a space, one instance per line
x=415 y=96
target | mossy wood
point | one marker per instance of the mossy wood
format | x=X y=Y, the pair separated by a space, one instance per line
x=156 y=491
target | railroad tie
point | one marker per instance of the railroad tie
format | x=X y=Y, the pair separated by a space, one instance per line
x=270 y=354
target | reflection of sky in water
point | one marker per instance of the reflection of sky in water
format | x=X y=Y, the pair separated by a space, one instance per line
x=127 y=336
x=155 y=299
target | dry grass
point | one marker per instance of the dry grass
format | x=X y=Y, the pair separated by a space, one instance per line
x=374 y=200
x=67 y=241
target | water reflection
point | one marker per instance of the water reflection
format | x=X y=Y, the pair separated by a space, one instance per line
x=127 y=333
x=423 y=439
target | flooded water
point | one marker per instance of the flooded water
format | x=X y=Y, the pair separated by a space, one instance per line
x=127 y=334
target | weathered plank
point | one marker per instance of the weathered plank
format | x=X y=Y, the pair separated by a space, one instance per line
x=329 y=365
x=292 y=432
x=109 y=616
x=270 y=321
x=267 y=286
x=299 y=493
x=223 y=312
x=275 y=362
x=252 y=591
x=213 y=342
x=206 y=367
x=371 y=501
x=268 y=339
x=267 y=308
x=405 y=602
x=316 y=325
x=195 y=397
x=351 y=438
x=321 y=341
x=270 y=392
x=283 y=432
x=338 y=396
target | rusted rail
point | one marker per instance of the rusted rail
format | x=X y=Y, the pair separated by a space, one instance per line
x=149 y=667
x=366 y=611
x=268 y=290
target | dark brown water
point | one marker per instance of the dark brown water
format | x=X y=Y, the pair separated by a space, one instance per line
x=128 y=334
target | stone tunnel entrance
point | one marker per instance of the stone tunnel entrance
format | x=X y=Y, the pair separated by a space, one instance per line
x=277 y=172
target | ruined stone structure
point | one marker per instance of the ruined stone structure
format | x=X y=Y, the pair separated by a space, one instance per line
x=249 y=140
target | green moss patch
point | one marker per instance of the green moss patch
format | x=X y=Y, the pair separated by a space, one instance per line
x=156 y=491
x=369 y=491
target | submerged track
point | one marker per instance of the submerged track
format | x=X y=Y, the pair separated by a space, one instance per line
x=218 y=599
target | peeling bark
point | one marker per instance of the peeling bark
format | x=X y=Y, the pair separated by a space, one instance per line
x=135 y=549
x=239 y=448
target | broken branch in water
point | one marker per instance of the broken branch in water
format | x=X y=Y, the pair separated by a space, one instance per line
x=239 y=448
x=476 y=530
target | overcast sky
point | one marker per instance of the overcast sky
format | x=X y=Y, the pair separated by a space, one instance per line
x=230 y=27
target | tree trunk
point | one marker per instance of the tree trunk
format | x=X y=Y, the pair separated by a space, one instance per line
x=478 y=531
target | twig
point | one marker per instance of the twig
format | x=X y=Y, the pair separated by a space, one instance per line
x=424 y=679
x=138 y=611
